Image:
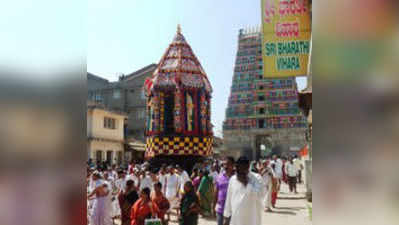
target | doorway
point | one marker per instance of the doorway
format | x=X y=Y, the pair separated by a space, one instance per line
x=263 y=144
x=169 y=113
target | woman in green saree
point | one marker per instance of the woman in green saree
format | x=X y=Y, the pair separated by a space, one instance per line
x=189 y=206
x=205 y=194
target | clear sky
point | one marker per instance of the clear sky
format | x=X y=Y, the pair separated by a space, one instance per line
x=126 y=35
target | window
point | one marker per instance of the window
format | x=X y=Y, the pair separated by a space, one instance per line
x=261 y=87
x=109 y=156
x=261 y=98
x=91 y=96
x=109 y=123
x=119 y=157
x=117 y=93
x=262 y=111
x=98 y=97
x=99 y=156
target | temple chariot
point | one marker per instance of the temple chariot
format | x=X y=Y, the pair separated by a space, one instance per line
x=178 y=125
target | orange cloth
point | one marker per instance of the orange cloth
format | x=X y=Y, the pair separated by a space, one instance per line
x=141 y=211
x=162 y=204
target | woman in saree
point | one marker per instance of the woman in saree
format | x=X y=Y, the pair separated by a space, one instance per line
x=205 y=194
x=144 y=208
x=189 y=206
x=161 y=201
x=126 y=200
x=197 y=180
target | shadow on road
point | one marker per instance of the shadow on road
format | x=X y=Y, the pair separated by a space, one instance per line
x=291 y=208
x=292 y=198
x=284 y=212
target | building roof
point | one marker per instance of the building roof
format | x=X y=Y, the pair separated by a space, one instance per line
x=91 y=105
x=178 y=68
x=95 y=77
x=140 y=72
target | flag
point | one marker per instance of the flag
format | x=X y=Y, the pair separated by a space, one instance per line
x=304 y=151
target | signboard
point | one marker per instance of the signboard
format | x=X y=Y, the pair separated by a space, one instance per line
x=286 y=37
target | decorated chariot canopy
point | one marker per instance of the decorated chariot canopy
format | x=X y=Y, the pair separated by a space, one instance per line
x=179 y=68
x=178 y=104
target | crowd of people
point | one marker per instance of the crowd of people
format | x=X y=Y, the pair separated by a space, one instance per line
x=236 y=192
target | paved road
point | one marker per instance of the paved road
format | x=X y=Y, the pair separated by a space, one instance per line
x=291 y=209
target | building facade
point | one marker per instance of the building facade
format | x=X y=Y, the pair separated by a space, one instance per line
x=262 y=113
x=125 y=95
x=105 y=138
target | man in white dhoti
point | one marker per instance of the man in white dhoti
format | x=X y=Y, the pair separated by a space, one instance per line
x=162 y=178
x=102 y=207
x=245 y=196
x=171 y=189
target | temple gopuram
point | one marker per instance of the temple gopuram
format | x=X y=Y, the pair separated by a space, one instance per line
x=262 y=116
x=178 y=129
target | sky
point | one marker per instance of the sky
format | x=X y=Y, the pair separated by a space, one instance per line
x=41 y=40
x=127 y=35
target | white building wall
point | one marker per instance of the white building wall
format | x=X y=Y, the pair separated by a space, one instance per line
x=104 y=139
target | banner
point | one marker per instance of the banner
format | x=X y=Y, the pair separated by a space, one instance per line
x=286 y=37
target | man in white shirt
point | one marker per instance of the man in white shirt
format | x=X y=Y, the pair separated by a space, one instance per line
x=134 y=176
x=214 y=173
x=245 y=196
x=162 y=178
x=299 y=167
x=292 y=173
x=278 y=171
x=120 y=183
x=183 y=175
x=113 y=172
x=146 y=181
x=171 y=189
x=279 y=167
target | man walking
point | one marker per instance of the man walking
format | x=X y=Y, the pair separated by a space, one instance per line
x=171 y=189
x=299 y=167
x=222 y=183
x=292 y=173
x=245 y=196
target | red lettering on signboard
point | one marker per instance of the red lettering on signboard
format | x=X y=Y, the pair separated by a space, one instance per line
x=292 y=7
x=287 y=29
x=269 y=10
